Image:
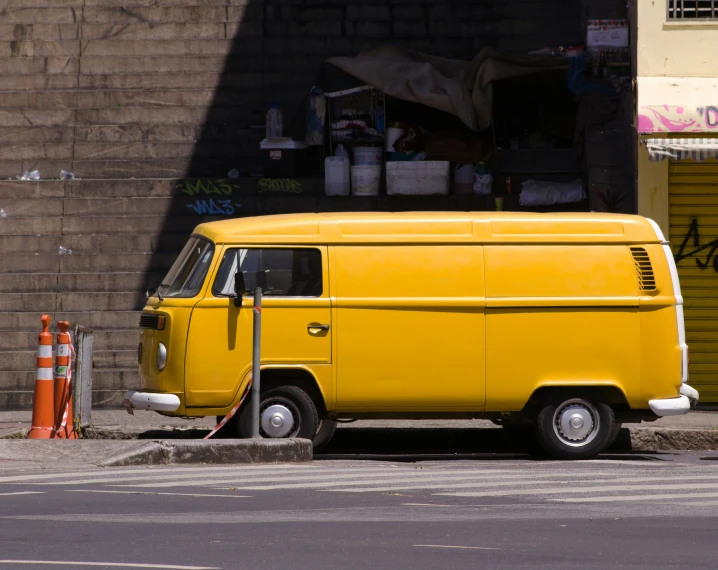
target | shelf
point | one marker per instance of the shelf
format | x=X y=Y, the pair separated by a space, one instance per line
x=353 y=141
x=535 y=161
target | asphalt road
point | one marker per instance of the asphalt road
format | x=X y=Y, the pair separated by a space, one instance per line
x=490 y=511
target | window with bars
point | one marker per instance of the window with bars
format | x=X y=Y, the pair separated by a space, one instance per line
x=692 y=9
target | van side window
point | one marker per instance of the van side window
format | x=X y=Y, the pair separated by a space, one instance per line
x=279 y=272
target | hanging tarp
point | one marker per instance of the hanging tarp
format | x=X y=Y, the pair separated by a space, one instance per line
x=697 y=149
x=461 y=88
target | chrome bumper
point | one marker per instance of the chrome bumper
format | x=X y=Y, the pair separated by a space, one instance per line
x=676 y=406
x=151 y=401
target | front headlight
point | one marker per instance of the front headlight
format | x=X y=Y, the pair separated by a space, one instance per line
x=161 y=356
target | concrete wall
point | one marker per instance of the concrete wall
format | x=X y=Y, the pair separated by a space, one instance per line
x=677 y=87
x=674 y=48
x=111 y=89
x=130 y=95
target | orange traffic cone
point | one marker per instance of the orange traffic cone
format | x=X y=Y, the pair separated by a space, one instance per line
x=63 y=379
x=43 y=416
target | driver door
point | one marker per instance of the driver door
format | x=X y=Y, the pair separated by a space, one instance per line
x=296 y=320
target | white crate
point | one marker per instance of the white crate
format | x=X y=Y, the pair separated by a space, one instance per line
x=420 y=178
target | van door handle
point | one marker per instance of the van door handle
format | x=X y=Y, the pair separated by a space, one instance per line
x=319 y=327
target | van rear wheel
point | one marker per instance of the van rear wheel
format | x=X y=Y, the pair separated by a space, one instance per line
x=574 y=428
x=286 y=411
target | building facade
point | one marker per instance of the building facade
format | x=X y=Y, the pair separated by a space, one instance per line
x=677 y=120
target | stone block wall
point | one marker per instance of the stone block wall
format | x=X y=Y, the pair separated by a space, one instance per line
x=121 y=89
x=130 y=95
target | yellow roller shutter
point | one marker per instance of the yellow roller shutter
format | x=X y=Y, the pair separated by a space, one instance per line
x=694 y=239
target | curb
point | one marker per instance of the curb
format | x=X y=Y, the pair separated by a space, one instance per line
x=214 y=452
x=14 y=433
x=667 y=439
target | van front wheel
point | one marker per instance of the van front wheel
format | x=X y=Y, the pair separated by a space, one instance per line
x=286 y=411
x=575 y=428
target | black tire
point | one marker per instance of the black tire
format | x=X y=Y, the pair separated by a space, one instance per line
x=324 y=434
x=562 y=445
x=614 y=434
x=296 y=400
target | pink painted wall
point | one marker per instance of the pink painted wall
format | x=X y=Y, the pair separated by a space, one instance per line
x=677 y=119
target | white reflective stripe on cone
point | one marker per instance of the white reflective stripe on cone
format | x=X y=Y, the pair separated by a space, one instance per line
x=63 y=350
x=44 y=351
x=45 y=374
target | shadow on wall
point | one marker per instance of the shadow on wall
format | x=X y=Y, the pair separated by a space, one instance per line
x=277 y=51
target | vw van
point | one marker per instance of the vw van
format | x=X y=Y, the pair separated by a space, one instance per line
x=564 y=325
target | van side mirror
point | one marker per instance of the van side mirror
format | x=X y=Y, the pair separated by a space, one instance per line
x=240 y=289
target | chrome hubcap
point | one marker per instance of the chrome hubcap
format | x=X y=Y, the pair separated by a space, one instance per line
x=277 y=421
x=576 y=422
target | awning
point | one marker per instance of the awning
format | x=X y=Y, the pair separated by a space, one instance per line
x=682 y=149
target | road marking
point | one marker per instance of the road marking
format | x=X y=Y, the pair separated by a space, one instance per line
x=428 y=482
x=521 y=480
x=429 y=505
x=318 y=480
x=620 y=498
x=156 y=470
x=155 y=493
x=113 y=564
x=460 y=547
x=180 y=474
x=23 y=493
x=561 y=490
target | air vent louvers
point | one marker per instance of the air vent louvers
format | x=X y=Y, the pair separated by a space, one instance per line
x=148 y=321
x=644 y=269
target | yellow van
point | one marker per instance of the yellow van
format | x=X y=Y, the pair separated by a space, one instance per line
x=565 y=324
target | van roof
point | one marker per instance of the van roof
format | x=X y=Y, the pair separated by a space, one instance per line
x=434 y=227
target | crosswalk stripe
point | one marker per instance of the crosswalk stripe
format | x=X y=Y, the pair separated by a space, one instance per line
x=561 y=490
x=23 y=493
x=435 y=482
x=620 y=498
x=124 y=472
x=78 y=564
x=231 y=473
x=310 y=480
x=522 y=480
x=156 y=493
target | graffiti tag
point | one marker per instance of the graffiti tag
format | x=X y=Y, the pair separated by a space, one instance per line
x=674 y=119
x=279 y=185
x=208 y=207
x=207 y=187
x=698 y=250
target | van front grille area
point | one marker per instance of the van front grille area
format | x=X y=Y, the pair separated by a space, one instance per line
x=149 y=321
x=644 y=269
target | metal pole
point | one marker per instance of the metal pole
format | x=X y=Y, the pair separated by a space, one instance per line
x=256 y=351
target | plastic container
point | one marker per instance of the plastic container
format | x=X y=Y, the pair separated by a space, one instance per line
x=393 y=134
x=464 y=179
x=367 y=156
x=417 y=178
x=336 y=176
x=341 y=151
x=483 y=184
x=274 y=122
x=365 y=180
x=483 y=181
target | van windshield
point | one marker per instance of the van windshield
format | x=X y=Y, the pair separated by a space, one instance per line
x=187 y=274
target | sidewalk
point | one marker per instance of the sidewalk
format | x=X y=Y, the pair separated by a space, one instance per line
x=118 y=424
